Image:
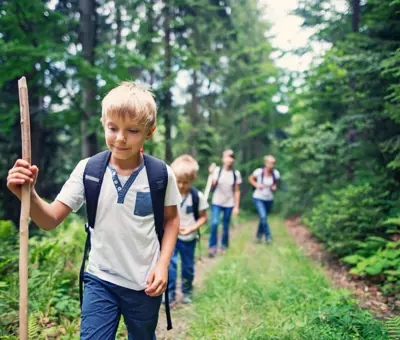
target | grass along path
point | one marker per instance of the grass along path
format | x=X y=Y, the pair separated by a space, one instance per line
x=272 y=292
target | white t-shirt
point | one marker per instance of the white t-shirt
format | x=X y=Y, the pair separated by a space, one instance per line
x=186 y=214
x=124 y=243
x=224 y=194
x=265 y=194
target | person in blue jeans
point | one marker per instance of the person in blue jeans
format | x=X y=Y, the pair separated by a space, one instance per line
x=226 y=199
x=127 y=271
x=193 y=213
x=265 y=181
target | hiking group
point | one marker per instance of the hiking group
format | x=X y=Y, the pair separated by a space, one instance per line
x=141 y=214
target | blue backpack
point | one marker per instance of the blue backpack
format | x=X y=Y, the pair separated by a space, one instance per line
x=157 y=174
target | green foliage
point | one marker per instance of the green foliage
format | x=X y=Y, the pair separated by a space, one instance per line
x=393 y=326
x=275 y=293
x=347 y=216
x=54 y=261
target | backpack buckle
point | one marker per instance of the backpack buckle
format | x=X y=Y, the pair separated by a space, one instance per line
x=87 y=228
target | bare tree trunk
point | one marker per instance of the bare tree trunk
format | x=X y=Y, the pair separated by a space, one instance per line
x=350 y=137
x=88 y=28
x=356 y=15
x=118 y=21
x=167 y=81
x=195 y=115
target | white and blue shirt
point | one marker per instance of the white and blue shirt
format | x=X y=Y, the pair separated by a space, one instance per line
x=186 y=214
x=265 y=194
x=124 y=243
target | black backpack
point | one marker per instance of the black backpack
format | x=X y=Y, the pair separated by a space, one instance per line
x=157 y=174
x=219 y=175
x=274 y=179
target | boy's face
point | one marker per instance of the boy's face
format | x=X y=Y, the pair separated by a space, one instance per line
x=228 y=159
x=269 y=163
x=184 y=185
x=125 y=137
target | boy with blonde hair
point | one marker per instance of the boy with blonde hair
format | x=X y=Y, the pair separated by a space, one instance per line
x=193 y=215
x=131 y=200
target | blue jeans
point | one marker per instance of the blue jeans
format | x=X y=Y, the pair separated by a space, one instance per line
x=215 y=213
x=186 y=249
x=105 y=302
x=263 y=209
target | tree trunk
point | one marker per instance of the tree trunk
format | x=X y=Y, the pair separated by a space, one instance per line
x=195 y=115
x=167 y=81
x=356 y=14
x=88 y=28
x=118 y=21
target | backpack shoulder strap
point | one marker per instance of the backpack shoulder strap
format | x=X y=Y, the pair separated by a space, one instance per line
x=234 y=177
x=262 y=175
x=92 y=180
x=274 y=179
x=216 y=183
x=157 y=175
x=195 y=199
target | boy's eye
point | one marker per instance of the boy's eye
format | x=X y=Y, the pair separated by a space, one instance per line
x=112 y=128
x=133 y=131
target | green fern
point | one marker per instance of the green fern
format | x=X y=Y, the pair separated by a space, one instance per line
x=393 y=326
x=33 y=328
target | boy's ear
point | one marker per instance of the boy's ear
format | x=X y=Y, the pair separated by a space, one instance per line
x=151 y=131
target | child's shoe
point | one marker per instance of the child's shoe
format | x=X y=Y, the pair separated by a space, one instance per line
x=222 y=251
x=187 y=299
x=211 y=252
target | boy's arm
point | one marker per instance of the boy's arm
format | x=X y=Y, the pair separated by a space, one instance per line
x=48 y=215
x=158 y=279
x=202 y=219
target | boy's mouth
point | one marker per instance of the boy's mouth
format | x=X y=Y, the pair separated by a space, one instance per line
x=120 y=149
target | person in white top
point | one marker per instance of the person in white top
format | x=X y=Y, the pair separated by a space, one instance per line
x=193 y=212
x=127 y=273
x=265 y=181
x=226 y=198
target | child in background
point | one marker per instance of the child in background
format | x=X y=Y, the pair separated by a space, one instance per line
x=193 y=215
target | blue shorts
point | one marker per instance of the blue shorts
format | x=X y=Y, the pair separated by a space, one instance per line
x=105 y=302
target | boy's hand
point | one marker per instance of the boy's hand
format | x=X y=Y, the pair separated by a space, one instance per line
x=273 y=188
x=235 y=212
x=185 y=230
x=157 y=281
x=261 y=186
x=22 y=172
x=211 y=168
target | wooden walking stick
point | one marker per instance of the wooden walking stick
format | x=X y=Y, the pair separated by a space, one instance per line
x=25 y=209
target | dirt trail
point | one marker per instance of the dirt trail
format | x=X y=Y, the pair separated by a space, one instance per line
x=181 y=314
x=368 y=294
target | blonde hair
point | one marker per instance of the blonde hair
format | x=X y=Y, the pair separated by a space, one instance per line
x=133 y=100
x=185 y=166
x=269 y=157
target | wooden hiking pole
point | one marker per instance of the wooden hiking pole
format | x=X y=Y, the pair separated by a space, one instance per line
x=25 y=209
x=208 y=185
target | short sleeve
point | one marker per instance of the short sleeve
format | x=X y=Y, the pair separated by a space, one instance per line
x=172 y=195
x=277 y=174
x=257 y=172
x=238 y=177
x=216 y=173
x=203 y=204
x=72 y=193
